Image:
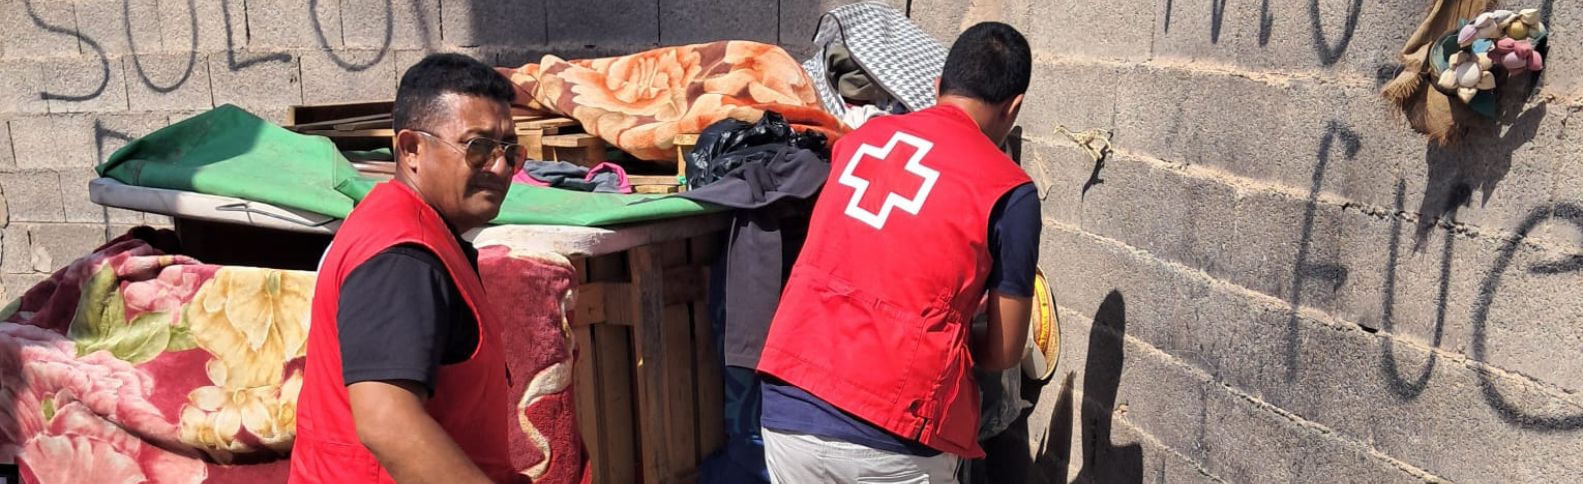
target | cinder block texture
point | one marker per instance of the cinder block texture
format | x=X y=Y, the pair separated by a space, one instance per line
x=21 y=82
x=33 y=196
x=389 y=24
x=120 y=27
x=293 y=24
x=90 y=84
x=610 y=23
x=56 y=245
x=693 y=21
x=168 y=82
x=273 y=81
x=347 y=75
x=38 y=29
x=479 y=24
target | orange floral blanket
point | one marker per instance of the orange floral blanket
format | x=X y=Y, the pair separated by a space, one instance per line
x=640 y=102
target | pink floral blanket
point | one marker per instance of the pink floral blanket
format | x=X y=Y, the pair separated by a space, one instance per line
x=133 y=365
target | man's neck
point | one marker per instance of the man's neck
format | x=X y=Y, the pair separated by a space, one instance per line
x=980 y=112
x=449 y=224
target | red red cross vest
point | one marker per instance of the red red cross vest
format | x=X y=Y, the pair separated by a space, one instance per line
x=876 y=316
x=470 y=400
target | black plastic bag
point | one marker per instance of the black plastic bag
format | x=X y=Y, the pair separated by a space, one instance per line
x=711 y=159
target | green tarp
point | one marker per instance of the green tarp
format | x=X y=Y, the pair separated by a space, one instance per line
x=228 y=151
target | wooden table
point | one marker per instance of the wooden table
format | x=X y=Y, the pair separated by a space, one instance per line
x=648 y=380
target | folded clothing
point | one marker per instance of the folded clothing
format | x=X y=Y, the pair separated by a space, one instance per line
x=602 y=178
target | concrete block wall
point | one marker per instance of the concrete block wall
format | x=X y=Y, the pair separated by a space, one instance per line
x=78 y=79
x=1272 y=279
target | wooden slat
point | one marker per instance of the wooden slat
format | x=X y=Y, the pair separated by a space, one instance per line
x=589 y=306
x=376 y=123
x=360 y=133
x=585 y=390
x=650 y=349
x=330 y=123
x=652 y=180
x=617 y=410
x=711 y=382
x=574 y=140
x=337 y=111
x=548 y=123
x=685 y=139
x=686 y=284
x=681 y=400
x=655 y=189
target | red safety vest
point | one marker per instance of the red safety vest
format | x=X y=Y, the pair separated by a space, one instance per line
x=876 y=316
x=470 y=400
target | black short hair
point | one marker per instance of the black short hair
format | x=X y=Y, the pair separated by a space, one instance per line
x=440 y=74
x=989 y=62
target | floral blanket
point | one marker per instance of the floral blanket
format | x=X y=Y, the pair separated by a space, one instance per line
x=640 y=102
x=135 y=365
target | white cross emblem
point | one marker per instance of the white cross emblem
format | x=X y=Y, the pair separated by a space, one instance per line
x=892 y=200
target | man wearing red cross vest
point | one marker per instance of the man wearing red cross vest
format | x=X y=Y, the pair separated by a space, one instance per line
x=869 y=358
x=405 y=377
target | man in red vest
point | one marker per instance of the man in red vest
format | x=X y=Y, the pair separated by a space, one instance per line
x=405 y=379
x=869 y=358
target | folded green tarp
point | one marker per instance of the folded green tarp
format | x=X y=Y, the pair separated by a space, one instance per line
x=228 y=151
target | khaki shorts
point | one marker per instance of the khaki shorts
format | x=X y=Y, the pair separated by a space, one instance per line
x=806 y=459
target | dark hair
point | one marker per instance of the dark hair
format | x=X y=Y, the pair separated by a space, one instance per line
x=436 y=75
x=989 y=62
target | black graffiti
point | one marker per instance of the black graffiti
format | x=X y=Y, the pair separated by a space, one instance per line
x=384 y=47
x=101 y=133
x=192 y=51
x=1302 y=269
x=1401 y=386
x=232 y=62
x=104 y=63
x=1564 y=212
x=1217 y=16
x=1266 y=23
x=1328 y=54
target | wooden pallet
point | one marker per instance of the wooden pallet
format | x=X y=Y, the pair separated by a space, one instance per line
x=367 y=126
x=649 y=397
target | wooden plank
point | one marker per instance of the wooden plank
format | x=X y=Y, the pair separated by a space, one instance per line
x=359 y=133
x=649 y=347
x=324 y=112
x=574 y=140
x=688 y=139
x=589 y=306
x=655 y=189
x=711 y=381
x=377 y=123
x=585 y=392
x=617 y=410
x=549 y=123
x=686 y=284
x=330 y=123
x=681 y=400
x=705 y=249
x=652 y=180
x=672 y=253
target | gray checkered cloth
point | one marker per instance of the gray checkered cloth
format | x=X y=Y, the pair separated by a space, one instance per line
x=896 y=54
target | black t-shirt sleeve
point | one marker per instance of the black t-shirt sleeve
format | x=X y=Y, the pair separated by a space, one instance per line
x=397 y=317
x=1014 y=226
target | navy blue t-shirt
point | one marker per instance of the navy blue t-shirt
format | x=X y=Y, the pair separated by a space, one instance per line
x=1015 y=223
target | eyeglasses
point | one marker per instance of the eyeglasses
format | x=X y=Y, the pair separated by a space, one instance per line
x=480 y=152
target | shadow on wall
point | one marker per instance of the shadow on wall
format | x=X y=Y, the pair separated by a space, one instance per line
x=1010 y=459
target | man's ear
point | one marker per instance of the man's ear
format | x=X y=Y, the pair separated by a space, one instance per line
x=407 y=144
x=937 y=87
x=1013 y=106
